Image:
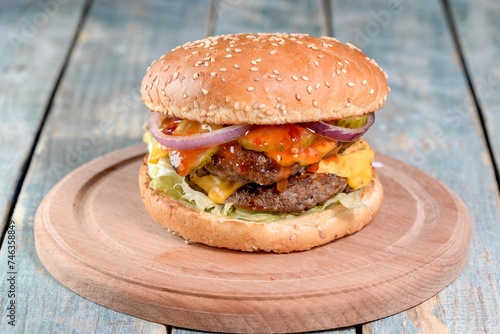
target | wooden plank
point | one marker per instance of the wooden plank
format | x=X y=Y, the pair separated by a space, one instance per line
x=477 y=25
x=429 y=122
x=28 y=29
x=96 y=109
x=270 y=16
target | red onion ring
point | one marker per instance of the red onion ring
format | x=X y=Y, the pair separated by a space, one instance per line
x=196 y=141
x=338 y=132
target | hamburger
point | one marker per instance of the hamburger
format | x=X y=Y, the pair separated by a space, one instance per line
x=254 y=141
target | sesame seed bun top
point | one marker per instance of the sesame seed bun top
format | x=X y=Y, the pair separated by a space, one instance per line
x=264 y=79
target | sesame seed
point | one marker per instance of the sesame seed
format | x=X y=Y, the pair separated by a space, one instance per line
x=272 y=76
x=223 y=69
x=168 y=81
x=350 y=84
x=262 y=106
x=333 y=75
x=185 y=96
x=227 y=99
x=297 y=96
x=251 y=89
x=371 y=91
x=236 y=105
x=176 y=74
x=237 y=50
x=317 y=85
x=320 y=56
x=258 y=60
x=207 y=63
x=188 y=56
x=212 y=59
x=340 y=64
x=279 y=79
x=293 y=237
x=257 y=78
x=276 y=72
x=295 y=78
x=274 y=44
x=278 y=99
x=282 y=107
x=344 y=71
x=163 y=93
x=255 y=105
x=247 y=108
x=315 y=103
x=196 y=75
x=304 y=78
x=300 y=42
x=337 y=71
x=254 y=69
x=327 y=84
x=273 y=52
x=316 y=63
x=364 y=82
x=228 y=50
x=237 y=66
x=347 y=105
x=204 y=91
x=166 y=68
x=345 y=61
x=253 y=62
x=309 y=89
x=213 y=74
x=228 y=56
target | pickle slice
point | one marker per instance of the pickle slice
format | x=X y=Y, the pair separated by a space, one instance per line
x=353 y=122
x=188 y=161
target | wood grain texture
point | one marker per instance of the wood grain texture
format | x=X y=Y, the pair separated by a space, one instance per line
x=107 y=248
x=429 y=122
x=477 y=25
x=96 y=109
x=28 y=30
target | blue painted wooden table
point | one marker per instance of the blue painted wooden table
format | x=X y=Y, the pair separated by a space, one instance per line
x=70 y=72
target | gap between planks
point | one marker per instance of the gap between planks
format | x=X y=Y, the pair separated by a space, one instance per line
x=458 y=46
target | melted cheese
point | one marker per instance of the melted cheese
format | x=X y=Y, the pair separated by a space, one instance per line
x=156 y=153
x=354 y=164
x=218 y=189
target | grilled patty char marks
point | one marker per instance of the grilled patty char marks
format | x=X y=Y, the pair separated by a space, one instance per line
x=235 y=163
x=303 y=192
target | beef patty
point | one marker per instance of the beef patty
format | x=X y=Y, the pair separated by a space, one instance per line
x=303 y=192
x=235 y=163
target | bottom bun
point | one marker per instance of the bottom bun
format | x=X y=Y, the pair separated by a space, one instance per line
x=282 y=236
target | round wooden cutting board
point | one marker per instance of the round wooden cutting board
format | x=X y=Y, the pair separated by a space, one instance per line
x=94 y=235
